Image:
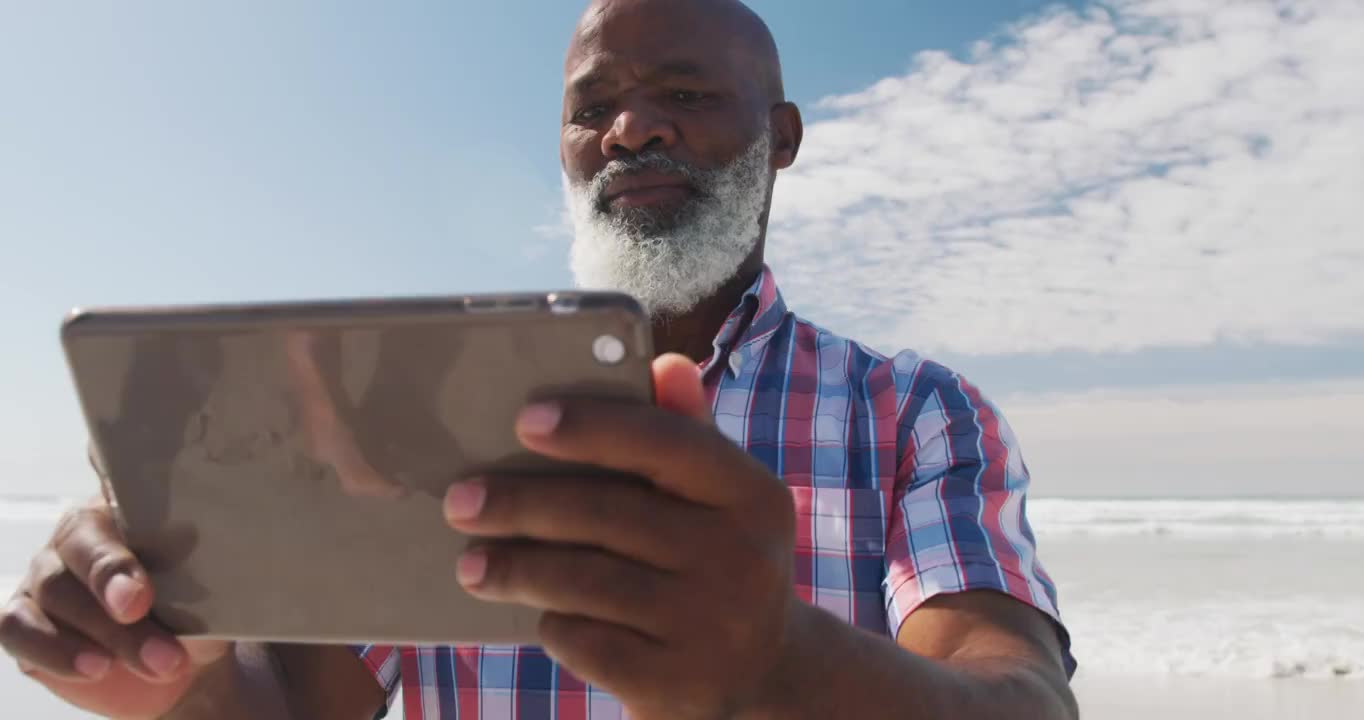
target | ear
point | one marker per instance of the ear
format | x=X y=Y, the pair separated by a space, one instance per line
x=787 y=132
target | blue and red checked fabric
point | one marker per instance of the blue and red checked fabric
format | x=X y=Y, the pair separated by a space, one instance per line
x=907 y=483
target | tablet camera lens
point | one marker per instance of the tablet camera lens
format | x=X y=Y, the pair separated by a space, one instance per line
x=608 y=349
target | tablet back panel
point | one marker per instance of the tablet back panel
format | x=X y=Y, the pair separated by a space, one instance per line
x=280 y=468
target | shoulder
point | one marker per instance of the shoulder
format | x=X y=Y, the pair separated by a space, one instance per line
x=931 y=401
x=914 y=377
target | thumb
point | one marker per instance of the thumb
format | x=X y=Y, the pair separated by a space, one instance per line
x=677 y=387
x=205 y=651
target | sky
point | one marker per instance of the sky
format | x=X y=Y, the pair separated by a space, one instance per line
x=1135 y=224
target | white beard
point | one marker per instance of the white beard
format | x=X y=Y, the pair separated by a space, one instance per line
x=670 y=262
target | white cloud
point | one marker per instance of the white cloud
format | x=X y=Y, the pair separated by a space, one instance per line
x=1147 y=173
x=1290 y=439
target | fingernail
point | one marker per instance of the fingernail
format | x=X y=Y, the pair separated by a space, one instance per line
x=464 y=500
x=161 y=657
x=471 y=568
x=539 y=419
x=93 y=665
x=121 y=593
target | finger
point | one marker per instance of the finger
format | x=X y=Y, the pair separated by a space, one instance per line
x=678 y=454
x=146 y=649
x=566 y=579
x=331 y=442
x=629 y=518
x=677 y=387
x=91 y=547
x=204 y=651
x=358 y=478
x=608 y=656
x=41 y=645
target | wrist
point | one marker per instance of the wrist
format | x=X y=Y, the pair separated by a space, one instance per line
x=211 y=676
x=785 y=693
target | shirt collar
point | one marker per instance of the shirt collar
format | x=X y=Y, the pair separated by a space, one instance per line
x=758 y=314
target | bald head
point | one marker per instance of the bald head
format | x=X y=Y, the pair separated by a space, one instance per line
x=674 y=127
x=725 y=25
x=698 y=81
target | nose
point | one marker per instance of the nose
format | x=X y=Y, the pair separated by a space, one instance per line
x=637 y=130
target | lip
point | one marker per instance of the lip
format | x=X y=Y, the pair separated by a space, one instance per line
x=649 y=188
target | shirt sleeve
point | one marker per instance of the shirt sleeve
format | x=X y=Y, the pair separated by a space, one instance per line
x=958 y=520
x=385 y=664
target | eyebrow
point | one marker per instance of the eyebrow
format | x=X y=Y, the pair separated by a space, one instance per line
x=671 y=69
x=676 y=68
x=585 y=82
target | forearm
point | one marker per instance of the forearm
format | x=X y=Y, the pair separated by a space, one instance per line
x=243 y=684
x=841 y=671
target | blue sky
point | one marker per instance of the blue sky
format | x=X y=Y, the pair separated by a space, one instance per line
x=336 y=148
x=159 y=152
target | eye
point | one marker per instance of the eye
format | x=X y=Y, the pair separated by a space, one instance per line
x=689 y=97
x=588 y=114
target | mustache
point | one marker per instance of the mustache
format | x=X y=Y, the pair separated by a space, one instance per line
x=652 y=160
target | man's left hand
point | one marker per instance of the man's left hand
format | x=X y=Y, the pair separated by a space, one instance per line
x=674 y=591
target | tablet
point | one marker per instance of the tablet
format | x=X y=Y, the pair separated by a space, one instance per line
x=280 y=468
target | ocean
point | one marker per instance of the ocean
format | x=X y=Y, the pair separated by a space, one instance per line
x=1198 y=588
x=1212 y=604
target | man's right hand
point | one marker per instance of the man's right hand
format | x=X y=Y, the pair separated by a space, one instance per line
x=79 y=624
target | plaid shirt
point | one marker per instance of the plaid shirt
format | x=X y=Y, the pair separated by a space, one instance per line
x=907 y=483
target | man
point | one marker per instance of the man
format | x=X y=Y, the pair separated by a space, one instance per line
x=825 y=532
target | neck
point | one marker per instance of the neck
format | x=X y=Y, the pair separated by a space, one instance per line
x=693 y=333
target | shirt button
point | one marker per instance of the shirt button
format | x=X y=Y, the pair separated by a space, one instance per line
x=736 y=363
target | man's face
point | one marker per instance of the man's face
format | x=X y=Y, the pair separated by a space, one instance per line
x=666 y=152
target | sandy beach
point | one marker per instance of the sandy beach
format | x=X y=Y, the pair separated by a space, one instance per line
x=1184 y=698
x=1121 y=698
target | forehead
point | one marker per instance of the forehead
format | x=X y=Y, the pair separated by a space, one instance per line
x=664 y=38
